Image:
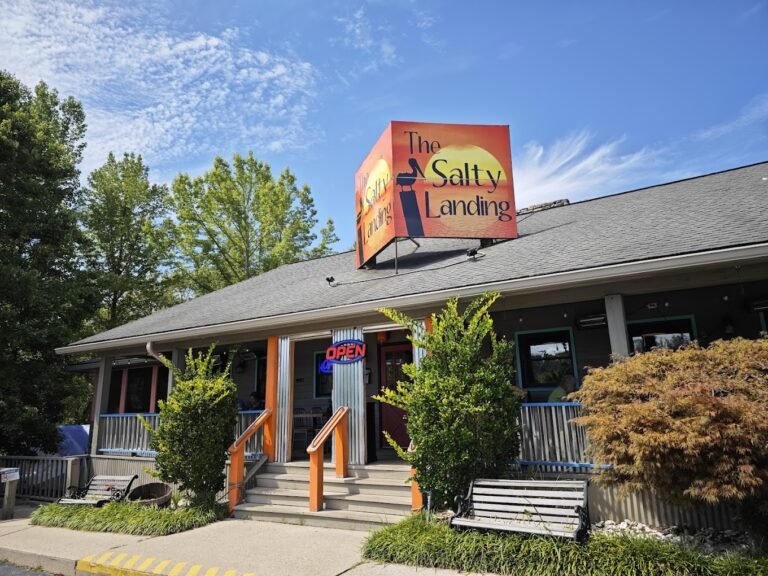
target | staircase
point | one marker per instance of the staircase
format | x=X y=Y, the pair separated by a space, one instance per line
x=372 y=496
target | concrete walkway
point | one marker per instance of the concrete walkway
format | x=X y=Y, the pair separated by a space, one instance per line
x=228 y=548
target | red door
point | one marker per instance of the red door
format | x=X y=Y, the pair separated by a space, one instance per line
x=393 y=357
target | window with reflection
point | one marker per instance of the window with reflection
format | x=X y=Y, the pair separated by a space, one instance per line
x=663 y=333
x=545 y=359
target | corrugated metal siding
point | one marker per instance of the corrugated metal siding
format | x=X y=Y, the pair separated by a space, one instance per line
x=284 y=413
x=349 y=390
x=419 y=353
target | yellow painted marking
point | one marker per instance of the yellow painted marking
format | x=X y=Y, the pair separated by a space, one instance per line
x=212 y=571
x=132 y=561
x=87 y=558
x=230 y=573
x=160 y=567
x=117 y=559
x=176 y=570
x=146 y=564
x=249 y=574
x=194 y=570
x=103 y=558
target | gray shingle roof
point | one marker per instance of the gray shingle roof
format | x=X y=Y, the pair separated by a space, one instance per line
x=720 y=210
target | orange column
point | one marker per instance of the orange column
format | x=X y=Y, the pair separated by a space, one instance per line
x=270 y=400
x=417 y=498
x=123 y=391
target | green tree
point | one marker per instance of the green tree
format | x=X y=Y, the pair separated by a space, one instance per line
x=460 y=402
x=127 y=222
x=237 y=221
x=45 y=292
x=196 y=425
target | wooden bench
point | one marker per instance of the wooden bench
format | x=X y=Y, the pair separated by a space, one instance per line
x=553 y=507
x=100 y=490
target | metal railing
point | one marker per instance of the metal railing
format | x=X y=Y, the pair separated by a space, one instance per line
x=548 y=436
x=46 y=477
x=125 y=435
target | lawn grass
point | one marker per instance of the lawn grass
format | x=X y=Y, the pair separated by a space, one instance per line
x=124 y=518
x=419 y=542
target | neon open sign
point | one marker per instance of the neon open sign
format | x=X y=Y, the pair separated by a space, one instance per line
x=342 y=352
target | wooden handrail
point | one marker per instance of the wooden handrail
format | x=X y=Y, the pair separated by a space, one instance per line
x=338 y=425
x=417 y=499
x=237 y=459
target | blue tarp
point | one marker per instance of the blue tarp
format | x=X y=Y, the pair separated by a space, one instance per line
x=74 y=439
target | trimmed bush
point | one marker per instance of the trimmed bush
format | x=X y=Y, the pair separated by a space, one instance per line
x=460 y=403
x=418 y=542
x=195 y=430
x=125 y=518
x=689 y=424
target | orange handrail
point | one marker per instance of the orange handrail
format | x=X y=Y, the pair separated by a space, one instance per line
x=237 y=459
x=337 y=424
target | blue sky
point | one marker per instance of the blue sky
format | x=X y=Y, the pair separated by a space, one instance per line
x=600 y=97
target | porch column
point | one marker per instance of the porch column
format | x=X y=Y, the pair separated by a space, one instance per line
x=101 y=398
x=178 y=359
x=270 y=399
x=617 y=325
x=349 y=390
x=284 y=414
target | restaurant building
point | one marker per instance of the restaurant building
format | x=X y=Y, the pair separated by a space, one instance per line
x=579 y=282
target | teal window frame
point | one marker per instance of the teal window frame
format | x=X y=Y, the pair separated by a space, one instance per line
x=691 y=317
x=519 y=362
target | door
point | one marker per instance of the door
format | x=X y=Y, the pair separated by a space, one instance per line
x=393 y=357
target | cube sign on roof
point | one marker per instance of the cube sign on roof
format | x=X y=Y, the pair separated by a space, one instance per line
x=434 y=180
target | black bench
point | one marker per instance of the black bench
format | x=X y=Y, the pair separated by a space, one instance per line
x=100 y=490
x=552 y=507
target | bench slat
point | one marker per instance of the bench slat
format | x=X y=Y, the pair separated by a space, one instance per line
x=532 y=483
x=523 y=500
x=527 y=492
x=523 y=517
x=488 y=524
x=532 y=509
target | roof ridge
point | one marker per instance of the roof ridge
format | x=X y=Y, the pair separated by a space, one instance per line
x=670 y=183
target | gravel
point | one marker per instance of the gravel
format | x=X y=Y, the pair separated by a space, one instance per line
x=707 y=540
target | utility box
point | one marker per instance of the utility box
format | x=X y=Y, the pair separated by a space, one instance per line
x=9 y=477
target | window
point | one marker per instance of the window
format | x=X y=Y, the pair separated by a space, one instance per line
x=323 y=381
x=661 y=333
x=544 y=359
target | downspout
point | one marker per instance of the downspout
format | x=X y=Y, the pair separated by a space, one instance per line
x=151 y=352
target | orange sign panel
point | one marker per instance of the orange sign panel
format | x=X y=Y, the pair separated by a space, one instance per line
x=434 y=180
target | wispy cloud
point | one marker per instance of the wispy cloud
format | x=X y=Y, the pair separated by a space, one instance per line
x=361 y=34
x=573 y=168
x=151 y=89
x=754 y=113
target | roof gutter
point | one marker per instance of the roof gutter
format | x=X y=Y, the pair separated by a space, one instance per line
x=519 y=285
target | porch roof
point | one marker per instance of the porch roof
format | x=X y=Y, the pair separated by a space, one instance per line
x=676 y=221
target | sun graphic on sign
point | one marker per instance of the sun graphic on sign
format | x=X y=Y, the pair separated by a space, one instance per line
x=377 y=183
x=458 y=162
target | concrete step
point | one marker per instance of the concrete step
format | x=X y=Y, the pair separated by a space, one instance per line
x=393 y=471
x=372 y=503
x=350 y=485
x=344 y=519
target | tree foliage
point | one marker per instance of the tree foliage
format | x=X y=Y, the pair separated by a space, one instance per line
x=459 y=401
x=196 y=424
x=237 y=221
x=687 y=424
x=45 y=292
x=127 y=221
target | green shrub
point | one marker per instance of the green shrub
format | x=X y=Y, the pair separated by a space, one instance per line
x=196 y=424
x=125 y=518
x=460 y=402
x=688 y=424
x=416 y=541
